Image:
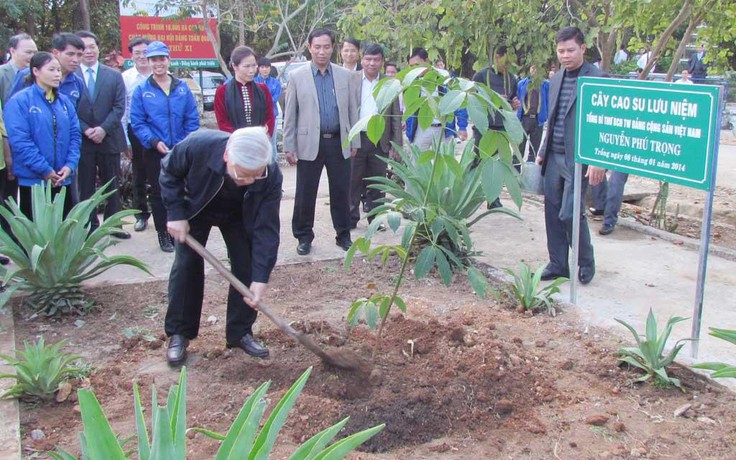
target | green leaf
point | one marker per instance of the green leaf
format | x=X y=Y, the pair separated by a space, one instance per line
x=478 y=281
x=512 y=126
x=241 y=434
x=376 y=126
x=101 y=441
x=492 y=179
x=450 y=102
x=477 y=113
x=400 y=303
x=343 y=447
x=163 y=443
x=444 y=268
x=144 y=446
x=316 y=443
x=425 y=262
x=370 y=310
x=269 y=432
x=387 y=93
x=361 y=125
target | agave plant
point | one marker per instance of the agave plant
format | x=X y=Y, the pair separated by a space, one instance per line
x=53 y=255
x=648 y=354
x=242 y=441
x=722 y=370
x=40 y=369
x=527 y=291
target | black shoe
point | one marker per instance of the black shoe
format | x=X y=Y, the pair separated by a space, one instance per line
x=586 y=274
x=121 y=235
x=596 y=212
x=496 y=204
x=165 y=241
x=140 y=224
x=606 y=229
x=344 y=243
x=548 y=275
x=249 y=345
x=176 y=352
x=4 y=260
x=304 y=248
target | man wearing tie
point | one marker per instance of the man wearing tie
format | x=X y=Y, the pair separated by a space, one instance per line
x=100 y=112
x=696 y=67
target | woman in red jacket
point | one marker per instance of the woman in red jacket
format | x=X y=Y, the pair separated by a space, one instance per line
x=241 y=102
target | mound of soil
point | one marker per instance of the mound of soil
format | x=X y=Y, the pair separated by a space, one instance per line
x=458 y=377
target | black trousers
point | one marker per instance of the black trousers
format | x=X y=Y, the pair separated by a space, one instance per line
x=107 y=165
x=152 y=162
x=367 y=163
x=558 y=214
x=534 y=137
x=8 y=189
x=26 y=199
x=307 y=183
x=140 y=199
x=186 y=282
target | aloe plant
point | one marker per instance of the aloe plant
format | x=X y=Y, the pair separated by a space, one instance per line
x=648 y=354
x=527 y=291
x=52 y=255
x=721 y=370
x=243 y=439
x=40 y=369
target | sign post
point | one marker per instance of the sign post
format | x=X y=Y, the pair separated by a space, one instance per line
x=668 y=132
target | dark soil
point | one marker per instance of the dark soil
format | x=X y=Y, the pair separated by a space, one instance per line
x=458 y=378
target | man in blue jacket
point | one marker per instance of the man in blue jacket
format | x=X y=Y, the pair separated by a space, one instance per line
x=532 y=112
x=217 y=179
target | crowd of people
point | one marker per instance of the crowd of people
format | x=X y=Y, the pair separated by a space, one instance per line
x=68 y=117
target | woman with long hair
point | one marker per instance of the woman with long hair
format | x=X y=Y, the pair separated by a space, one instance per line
x=241 y=102
x=43 y=132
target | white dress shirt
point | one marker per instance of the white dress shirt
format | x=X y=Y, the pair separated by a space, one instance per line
x=367 y=101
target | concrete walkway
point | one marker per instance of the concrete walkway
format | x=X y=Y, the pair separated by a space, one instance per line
x=635 y=272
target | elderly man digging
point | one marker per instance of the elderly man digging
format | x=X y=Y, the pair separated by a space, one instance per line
x=216 y=179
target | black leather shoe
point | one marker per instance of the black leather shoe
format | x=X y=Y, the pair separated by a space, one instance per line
x=304 y=248
x=596 y=212
x=140 y=225
x=249 y=345
x=4 y=260
x=344 y=243
x=586 y=274
x=176 y=352
x=121 y=235
x=606 y=229
x=548 y=275
x=496 y=204
x=165 y=241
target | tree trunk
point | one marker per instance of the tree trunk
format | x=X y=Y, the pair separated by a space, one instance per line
x=241 y=26
x=83 y=9
x=694 y=22
x=684 y=14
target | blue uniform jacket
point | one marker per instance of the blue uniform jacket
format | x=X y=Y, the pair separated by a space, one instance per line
x=274 y=87
x=156 y=117
x=521 y=90
x=44 y=136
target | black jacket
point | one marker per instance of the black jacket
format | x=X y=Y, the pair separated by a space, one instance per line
x=192 y=174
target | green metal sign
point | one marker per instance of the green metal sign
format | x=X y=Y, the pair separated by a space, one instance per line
x=660 y=130
x=185 y=63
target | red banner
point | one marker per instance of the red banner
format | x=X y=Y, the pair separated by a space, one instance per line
x=185 y=38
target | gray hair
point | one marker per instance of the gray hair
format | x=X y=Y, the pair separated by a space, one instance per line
x=250 y=147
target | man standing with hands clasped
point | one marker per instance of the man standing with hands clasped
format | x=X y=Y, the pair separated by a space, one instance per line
x=320 y=110
x=217 y=179
x=557 y=157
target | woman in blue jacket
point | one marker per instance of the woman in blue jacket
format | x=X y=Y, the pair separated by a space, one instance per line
x=43 y=132
x=162 y=113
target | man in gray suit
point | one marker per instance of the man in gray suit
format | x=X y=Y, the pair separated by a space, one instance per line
x=557 y=157
x=100 y=110
x=320 y=110
x=21 y=48
x=368 y=162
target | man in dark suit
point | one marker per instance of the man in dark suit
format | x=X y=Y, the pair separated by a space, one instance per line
x=368 y=163
x=320 y=110
x=557 y=157
x=100 y=110
x=696 y=67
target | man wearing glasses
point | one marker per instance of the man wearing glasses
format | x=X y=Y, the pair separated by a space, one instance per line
x=217 y=179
